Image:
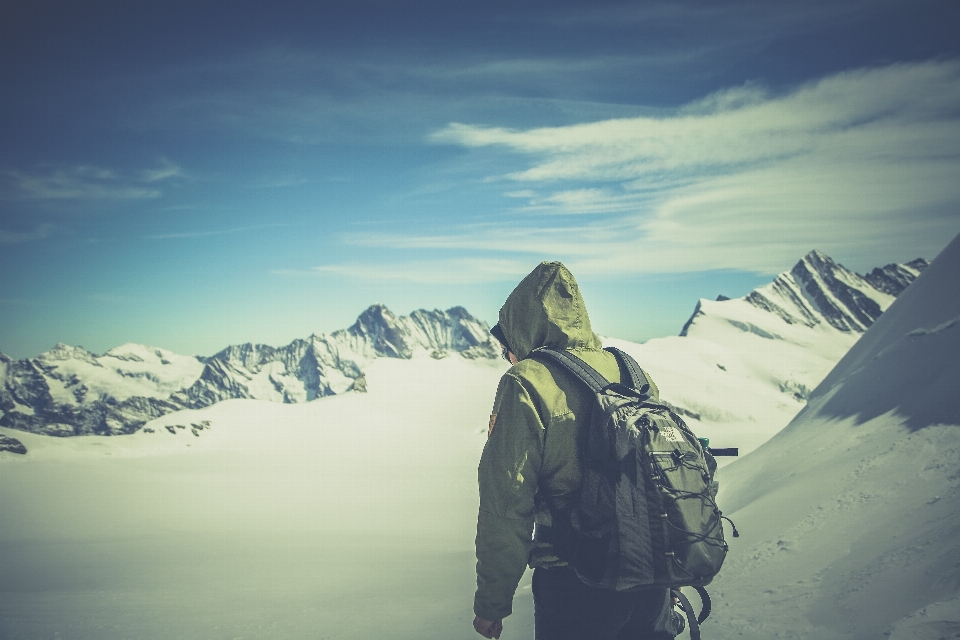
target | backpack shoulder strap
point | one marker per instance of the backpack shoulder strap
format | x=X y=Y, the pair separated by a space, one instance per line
x=580 y=369
x=635 y=376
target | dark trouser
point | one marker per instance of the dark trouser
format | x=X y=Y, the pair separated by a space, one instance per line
x=567 y=609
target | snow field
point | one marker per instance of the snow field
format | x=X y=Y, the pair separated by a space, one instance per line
x=351 y=517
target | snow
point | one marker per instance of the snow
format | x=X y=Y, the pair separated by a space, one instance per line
x=743 y=370
x=349 y=517
x=848 y=515
x=353 y=516
x=123 y=372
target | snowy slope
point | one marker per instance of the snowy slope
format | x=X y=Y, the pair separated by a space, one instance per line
x=848 y=516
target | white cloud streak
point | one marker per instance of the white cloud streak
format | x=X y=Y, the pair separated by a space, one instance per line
x=186 y=235
x=437 y=272
x=857 y=162
x=87 y=182
x=16 y=237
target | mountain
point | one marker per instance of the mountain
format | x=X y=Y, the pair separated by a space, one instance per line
x=70 y=391
x=817 y=291
x=848 y=515
x=751 y=360
x=742 y=368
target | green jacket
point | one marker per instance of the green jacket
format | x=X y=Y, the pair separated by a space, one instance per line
x=530 y=469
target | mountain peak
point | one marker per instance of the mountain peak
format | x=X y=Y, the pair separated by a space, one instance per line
x=819 y=291
x=62 y=351
x=818 y=256
x=894 y=278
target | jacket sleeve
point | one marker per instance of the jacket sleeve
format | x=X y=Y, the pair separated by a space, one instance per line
x=508 y=483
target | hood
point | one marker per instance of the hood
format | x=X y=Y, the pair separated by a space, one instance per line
x=547 y=310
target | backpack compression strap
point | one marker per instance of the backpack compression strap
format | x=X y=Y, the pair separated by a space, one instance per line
x=694 y=622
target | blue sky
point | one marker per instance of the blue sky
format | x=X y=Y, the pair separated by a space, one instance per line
x=196 y=174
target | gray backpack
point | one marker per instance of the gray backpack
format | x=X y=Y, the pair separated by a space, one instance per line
x=647 y=514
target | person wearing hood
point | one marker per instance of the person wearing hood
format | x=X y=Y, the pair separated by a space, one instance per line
x=530 y=473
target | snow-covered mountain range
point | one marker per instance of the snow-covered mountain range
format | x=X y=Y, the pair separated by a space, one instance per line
x=776 y=344
x=70 y=391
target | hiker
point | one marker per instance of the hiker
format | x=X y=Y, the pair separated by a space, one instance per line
x=530 y=475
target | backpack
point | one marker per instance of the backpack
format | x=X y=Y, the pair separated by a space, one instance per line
x=647 y=514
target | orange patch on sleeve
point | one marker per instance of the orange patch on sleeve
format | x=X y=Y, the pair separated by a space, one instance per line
x=493 y=423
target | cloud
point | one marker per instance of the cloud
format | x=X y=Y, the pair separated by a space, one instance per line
x=15 y=237
x=439 y=271
x=165 y=171
x=747 y=179
x=87 y=182
x=182 y=235
x=493 y=238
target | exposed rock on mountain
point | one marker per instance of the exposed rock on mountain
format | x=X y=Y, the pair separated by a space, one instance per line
x=817 y=291
x=70 y=391
x=324 y=365
x=12 y=445
x=894 y=278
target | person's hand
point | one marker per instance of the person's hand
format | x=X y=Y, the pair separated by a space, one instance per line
x=488 y=628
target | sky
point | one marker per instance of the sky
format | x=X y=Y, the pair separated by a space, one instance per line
x=190 y=175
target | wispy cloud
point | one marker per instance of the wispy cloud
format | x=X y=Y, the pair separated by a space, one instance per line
x=308 y=97
x=580 y=240
x=14 y=237
x=438 y=271
x=183 y=235
x=165 y=171
x=87 y=182
x=746 y=179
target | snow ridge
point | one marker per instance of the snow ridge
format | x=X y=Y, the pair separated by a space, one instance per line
x=70 y=391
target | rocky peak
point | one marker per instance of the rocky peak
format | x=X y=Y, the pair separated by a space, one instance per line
x=383 y=330
x=61 y=352
x=818 y=290
x=838 y=295
x=894 y=278
x=249 y=356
